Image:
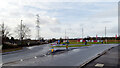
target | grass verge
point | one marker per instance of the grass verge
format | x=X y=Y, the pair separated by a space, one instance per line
x=93 y=43
x=10 y=50
x=73 y=46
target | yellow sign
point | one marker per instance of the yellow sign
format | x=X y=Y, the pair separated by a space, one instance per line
x=52 y=50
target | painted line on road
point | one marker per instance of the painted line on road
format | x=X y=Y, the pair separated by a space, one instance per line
x=35 y=57
x=99 y=65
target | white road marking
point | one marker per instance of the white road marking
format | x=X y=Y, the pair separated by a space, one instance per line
x=99 y=65
x=35 y=57
x=21 y=59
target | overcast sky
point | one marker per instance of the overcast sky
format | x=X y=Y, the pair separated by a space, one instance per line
x=56 y=16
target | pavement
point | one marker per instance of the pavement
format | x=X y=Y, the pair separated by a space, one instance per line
x=37 y=56
x=110 y=59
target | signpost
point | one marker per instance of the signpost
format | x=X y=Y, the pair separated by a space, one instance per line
x=115 y=38
x=58 y=41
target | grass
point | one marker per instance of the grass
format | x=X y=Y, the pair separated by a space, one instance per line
x=92 y=43
x=72 y=46
x=10 y=50
x=113 y=42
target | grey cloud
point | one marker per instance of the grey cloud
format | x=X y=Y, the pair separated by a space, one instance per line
x=107 y=13
x=106 y=21
x=113 y=30
x=56 y=29
x=46 y=20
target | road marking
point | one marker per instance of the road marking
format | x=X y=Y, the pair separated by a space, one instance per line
x=21 y=59
x=35 y=57
x=1 y=64
x=99 y=65
x=44 y=54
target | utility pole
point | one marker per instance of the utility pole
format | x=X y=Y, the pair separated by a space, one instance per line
x=65 y=34
x=115 y=38
x=105 y=31
x=105 y=35
x=82 y=33
x=21 y=38
x=2 y=32
x=3 y=29
x=38 y=27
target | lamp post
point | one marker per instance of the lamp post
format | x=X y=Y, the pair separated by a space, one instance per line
x=82 y=35
x=105 y=35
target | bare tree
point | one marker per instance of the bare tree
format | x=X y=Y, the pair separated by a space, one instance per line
x=22 y=31
x=5 y=31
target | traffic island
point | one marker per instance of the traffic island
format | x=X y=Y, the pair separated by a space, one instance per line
x=56 y=52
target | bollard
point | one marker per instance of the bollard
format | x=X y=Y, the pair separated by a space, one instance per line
x=85 y=42
x=102 y=42
x=52 y=50
x=66 y=47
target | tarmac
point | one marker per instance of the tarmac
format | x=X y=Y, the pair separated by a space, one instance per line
x=110 y=59
x=75 y=58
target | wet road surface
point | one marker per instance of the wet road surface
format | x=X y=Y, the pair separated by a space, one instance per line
x=36 y=56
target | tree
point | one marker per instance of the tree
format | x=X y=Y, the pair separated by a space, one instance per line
x=53 y=39
x=12 y=39
x=61 y=40
x=22 y=31
x=42 y=40
x=5 y=31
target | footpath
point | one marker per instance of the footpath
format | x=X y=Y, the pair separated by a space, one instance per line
x=110 y=59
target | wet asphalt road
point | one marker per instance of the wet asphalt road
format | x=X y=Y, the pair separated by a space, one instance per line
x=36 y=56
x=25 y=53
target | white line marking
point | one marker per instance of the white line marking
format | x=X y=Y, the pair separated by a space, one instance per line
x=99 y=65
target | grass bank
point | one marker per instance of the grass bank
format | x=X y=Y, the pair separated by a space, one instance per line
x=73 y=46
x=10 y=50
x=92 y=43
